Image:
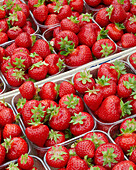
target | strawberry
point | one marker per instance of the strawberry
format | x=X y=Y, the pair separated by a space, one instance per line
x=116 y=13
x=6 y=117
x=28 y=29
x=84 y=148
x=55 y=137
x=27 y=90
x=75 y=14
x=56 y=31
x=131 y=25
x=127 y=18
x=93 y=99
x=40 y=12
x=3 y=37
x=133 y=8
x=55 y=64
x=81 y=123
x=57 y=156
x=125 y=165
x=112 y=152
x=21 y=60
x=66 y=88
x=76 y=163
x=23 y=40
x=38 y=71
x=97 y=138
x=31 y=4
x=21 y=102
x=71 y=24
x=83 y=81
x=3 y=25
x=132 y=60
x=106 y=86
x=21 y=49
x=52 y=19
x=77 y=5
x=17 y=19
x=41 y=48
x=2 y=54
x=14 y=32
x=2 y=154
x=15 y=147
x=115 y=31
x=5 y=66
x=35 y=58
x=63 y=11
x=72 y=102
x=128 y=40
x=107 y=113
x=93 y=3
x=103 y=48
x=102 y=17
x=2 y=12
x=15 y=77
x=125 y=4
x=25 y=161
x=9 y=50
x=81 y=55
x=127 y=126
x=12 y=130
x=84 y=19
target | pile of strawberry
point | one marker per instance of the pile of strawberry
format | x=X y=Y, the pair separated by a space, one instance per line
x=91 y=152
x=132 y=60
x=13 y=20
x=127 y=138
x=119 y=21
x=112 y=95
x=24 y=162
x=12 y=145
x=28 y=58
x=54 y=115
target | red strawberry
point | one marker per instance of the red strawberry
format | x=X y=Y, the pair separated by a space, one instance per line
x=77 y=5
x=66 y=88
x=41 y=47
x=81 y=123
x=125 y=4
x=60 y=160
x=21 y=49
x=76 y=163
x=28 y=29
x=72 y=102
x=84 y=19
x=128 y=126
x=15 y=77
x=35 y=58
x=12 y=130
x=132 y=60
x=27 y=90
x=3 y=37
x=132 y=154
x=131 y=25
x=31 y=4
x=2 y=54
x=2 y=12
x=112 y=152
x=14 y=32
x=51 y=20
x=93 y=3
x=5 y=66
x=133 y=8
x=84 y=148
x=3 y=105
x=9 y=50
x=56 y=31
x=128 y=40
x=83 y=81
x=2 y=154
x=97 y=138
x=64 y=12
x=55 y=137
x=3 y=25
x=37 y=133
x=21 y=102
x=124 y=165
x=127 y=18
x=25 y=161
x=103 y=48
x=75 y=14
x=6 y=117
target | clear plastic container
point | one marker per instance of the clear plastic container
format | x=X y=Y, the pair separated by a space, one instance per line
x=2 y=86
x=128 y=60
x=68 y=144
x=38 y=163
x=40 y=151
x=38 y=36
x=23 y=134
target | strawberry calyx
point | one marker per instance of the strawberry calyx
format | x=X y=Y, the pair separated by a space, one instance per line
x=40 y=2
x=2 y=7
x=58 y=6
x=15 y=28
x=19 y=74
x=125 y=108
x=85 y=77
x=3 y=102
x=33 y=38
x=132 y=19
x=88 y=160
x=72 y=153
x=106 y=50
x=86 y=17
x=103 y=81
x=96 y=140
x=94 y=168
x=8 y=67
x=6 y=58
x=60 y=64
x=57 y=153
x=133 y=2
x=131 y=167
x=13 y=17
x=133 y=58
x=19 y=62
x=24 y=158
x=102 y=34
x=7 y=143
x=54 y=135
x=17 y=8
x=72 y=101
x=131 y=150
x=33 y=55
x=120 y=26
x=119 y=67
x=10 y=4
x=78 y=118
x=94 y=91
x=120 y=1
x=131 y=84
x=66 y=46
x=57 y=86
x=13 y=166
x=21 y=102
x=36 y=96
x=73 y=19
x=109 y=157
x=38 y=64
x=17 y=117
x=109 y=10
x=68 y=134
